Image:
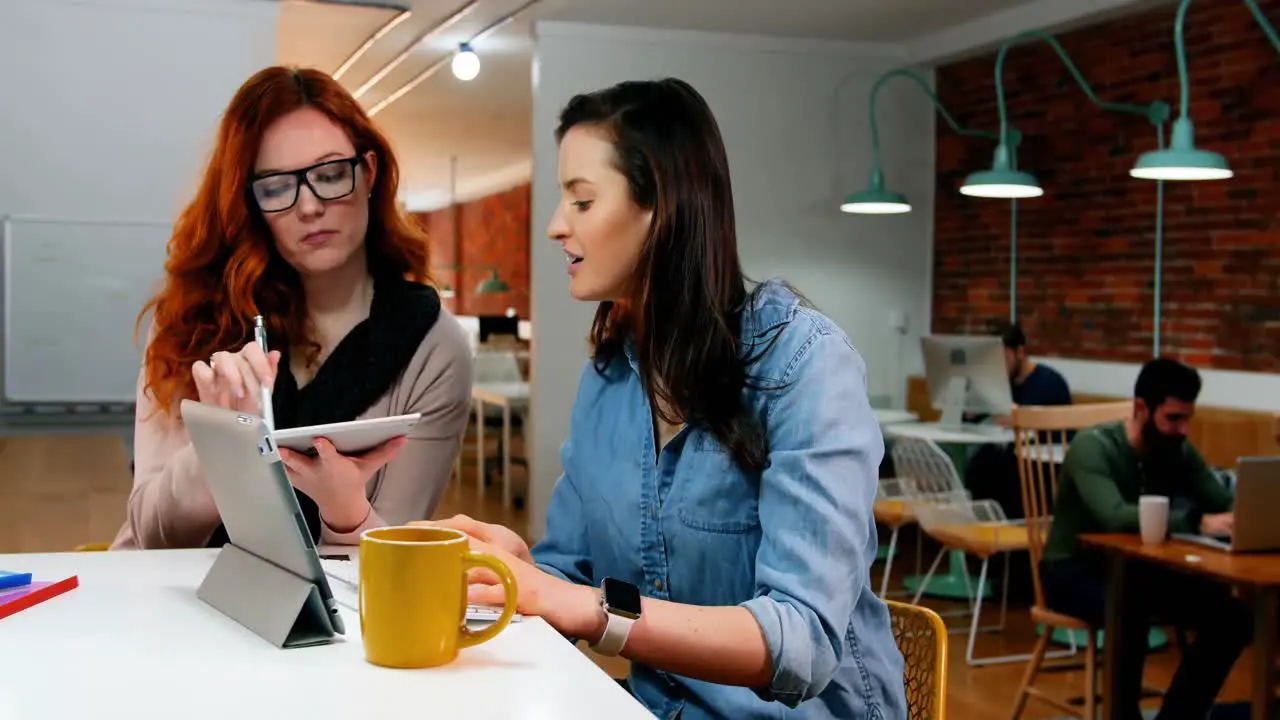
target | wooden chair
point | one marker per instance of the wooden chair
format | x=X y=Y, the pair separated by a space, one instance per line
x=922 y=639
x=1041 y=443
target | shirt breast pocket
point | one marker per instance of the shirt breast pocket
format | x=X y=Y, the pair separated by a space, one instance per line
x=714 y=495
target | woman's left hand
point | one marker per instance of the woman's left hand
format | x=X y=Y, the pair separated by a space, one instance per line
x=336 y=481
x=571 y=609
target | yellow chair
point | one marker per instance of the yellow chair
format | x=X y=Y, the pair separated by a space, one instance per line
x=922 y=638
x=93 y=547
x=891 y=510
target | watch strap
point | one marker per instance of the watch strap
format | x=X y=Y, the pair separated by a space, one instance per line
x=616 y=631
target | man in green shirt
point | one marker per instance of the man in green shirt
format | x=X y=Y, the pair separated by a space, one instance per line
x=1105 y=471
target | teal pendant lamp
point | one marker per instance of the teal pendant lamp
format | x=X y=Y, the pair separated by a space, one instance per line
x=492 y=284
x=876 y=199
x=1182 y=160
x=1004 y=179
x=488 y=286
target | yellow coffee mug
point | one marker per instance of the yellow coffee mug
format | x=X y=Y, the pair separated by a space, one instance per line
x=413 y=595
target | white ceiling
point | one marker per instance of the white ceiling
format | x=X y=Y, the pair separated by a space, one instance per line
x=486 y=123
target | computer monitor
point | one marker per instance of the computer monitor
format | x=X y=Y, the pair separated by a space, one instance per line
x=498 y=325
x=966 y=374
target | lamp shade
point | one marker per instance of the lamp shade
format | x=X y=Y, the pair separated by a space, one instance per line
x=1009 y=184
x=492 y=284
x=1182 y=160
x=875 y=200
x=1001 y=181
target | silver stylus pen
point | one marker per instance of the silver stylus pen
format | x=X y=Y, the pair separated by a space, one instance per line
x=260 y=336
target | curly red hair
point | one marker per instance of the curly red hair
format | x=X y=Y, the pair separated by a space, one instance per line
x=223 y=268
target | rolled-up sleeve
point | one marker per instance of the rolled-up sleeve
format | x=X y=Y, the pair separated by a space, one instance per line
x=816 y=496
x=564 y=550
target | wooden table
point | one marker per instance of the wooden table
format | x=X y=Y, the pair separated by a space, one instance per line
x=1258 y=575
x=133 y=641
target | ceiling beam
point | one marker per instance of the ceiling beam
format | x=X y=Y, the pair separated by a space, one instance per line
x=986 y=33
x=370 y=41
x=435 y=66
x=402 y=5
x=431 y=32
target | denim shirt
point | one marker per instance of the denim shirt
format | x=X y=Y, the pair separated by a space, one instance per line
x=793 y=544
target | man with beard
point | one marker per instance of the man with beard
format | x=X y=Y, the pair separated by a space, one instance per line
x=1105 y=471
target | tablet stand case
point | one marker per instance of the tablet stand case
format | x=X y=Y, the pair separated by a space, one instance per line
x=280 y=607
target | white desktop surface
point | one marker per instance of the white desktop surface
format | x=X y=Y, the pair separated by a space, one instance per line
x=937 y=433
x=133 y=642
x=886 y=416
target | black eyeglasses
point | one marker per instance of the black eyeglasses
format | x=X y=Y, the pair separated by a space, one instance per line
x=329 y=180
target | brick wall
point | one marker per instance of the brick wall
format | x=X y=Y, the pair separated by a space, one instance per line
x=1086 y=248
x=492 y=232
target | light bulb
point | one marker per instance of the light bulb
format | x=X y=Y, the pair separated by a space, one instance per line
x=466 y=64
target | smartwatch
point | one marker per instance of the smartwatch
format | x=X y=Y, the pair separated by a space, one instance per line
x=620 y=602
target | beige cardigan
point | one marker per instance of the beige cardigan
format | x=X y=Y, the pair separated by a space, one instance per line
x=171 y=507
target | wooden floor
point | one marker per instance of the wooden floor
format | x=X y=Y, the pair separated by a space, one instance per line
x=60 y=491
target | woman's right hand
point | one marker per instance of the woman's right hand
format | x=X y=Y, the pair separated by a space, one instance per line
x=496 y=535
x=232 y=379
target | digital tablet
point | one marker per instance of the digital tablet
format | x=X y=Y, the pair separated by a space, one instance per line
x=260 y=511
x=350 y=438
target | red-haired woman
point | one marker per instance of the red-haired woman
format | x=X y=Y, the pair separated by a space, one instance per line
x=296 y=220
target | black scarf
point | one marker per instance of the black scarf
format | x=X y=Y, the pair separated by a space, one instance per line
x=361 y=369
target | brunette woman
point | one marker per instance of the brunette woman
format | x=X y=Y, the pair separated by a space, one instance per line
x=713 y=523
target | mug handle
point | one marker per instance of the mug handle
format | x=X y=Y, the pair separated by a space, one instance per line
x=471 y=560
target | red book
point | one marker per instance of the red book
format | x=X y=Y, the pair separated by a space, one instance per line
x=19 y=599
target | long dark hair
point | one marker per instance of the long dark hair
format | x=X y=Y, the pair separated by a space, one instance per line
x=684 y=305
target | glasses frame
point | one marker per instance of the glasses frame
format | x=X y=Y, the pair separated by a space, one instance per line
x=300 y=174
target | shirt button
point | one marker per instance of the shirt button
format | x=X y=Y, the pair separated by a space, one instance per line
x=657 y=584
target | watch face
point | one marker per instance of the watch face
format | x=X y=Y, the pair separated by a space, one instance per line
x=621 y=597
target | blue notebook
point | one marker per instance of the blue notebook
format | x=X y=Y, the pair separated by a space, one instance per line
x=10 y=580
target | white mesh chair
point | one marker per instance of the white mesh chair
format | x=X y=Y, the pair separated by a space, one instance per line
x=914 y=460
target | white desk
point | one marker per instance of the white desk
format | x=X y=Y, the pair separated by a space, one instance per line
x=961 y=436
x=133 y=643
x=505 y=395
x=892 y=417
x=939 y=434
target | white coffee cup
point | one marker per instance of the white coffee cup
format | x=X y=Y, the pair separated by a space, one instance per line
x=1153 y=518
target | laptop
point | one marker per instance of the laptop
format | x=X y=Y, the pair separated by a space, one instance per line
x=1257 y=496
x=256 y=501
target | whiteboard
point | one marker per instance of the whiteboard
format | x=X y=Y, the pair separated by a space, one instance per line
x=72 y=293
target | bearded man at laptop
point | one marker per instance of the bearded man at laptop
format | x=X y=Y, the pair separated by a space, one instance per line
x=1105 y=471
